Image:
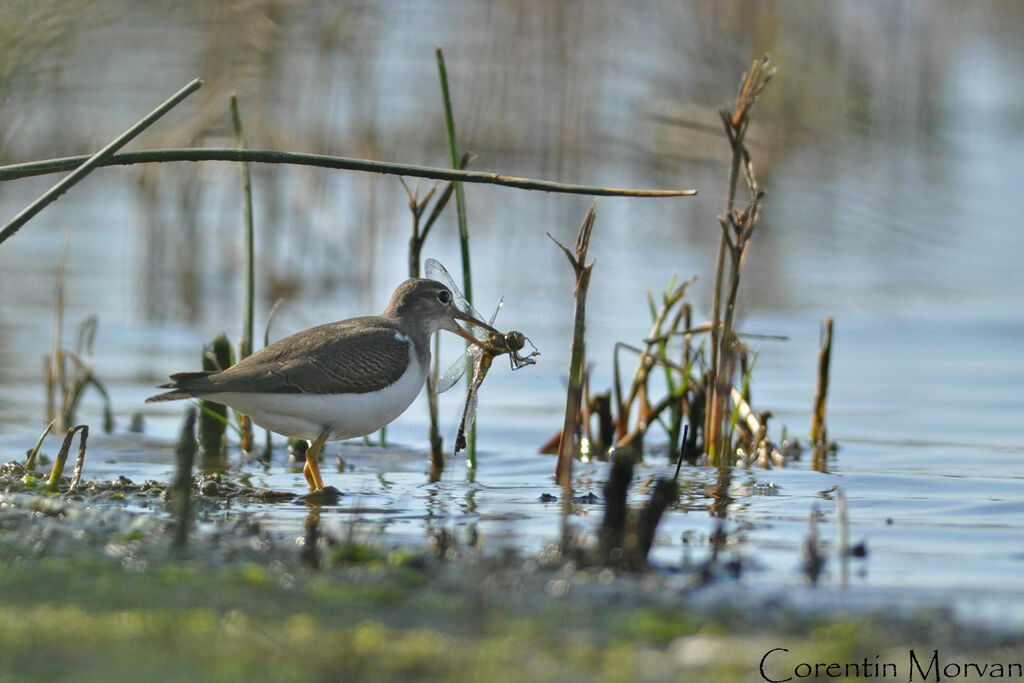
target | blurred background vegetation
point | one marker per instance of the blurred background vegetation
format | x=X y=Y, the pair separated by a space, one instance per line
x=599 y=92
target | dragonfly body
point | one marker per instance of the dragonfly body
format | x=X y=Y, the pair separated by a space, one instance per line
x=483 y=364
x=478 y=357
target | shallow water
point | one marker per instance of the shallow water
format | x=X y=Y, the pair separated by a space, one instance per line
x=905 y=233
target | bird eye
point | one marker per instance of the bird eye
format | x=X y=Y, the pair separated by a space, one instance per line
x=444 y=296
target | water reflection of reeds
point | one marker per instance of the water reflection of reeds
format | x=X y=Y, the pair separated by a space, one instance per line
x=563 y=90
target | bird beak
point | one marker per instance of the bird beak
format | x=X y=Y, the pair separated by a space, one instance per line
x=465 y=334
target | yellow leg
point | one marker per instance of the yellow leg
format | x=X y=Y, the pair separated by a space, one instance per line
x=312 y=468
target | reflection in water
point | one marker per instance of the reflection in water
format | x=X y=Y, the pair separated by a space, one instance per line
x=310 y=552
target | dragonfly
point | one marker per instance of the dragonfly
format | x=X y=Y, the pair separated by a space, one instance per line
x=479 y=358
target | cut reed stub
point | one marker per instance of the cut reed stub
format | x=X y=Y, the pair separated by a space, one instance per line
x=818 y=430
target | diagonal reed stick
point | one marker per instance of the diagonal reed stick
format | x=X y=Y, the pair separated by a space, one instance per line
x=91 y=163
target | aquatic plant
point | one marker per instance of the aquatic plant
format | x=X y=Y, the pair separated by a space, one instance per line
x=65 y=385
x=568 y=445
x=738 y=226
x=53 y=483
x=819 y=435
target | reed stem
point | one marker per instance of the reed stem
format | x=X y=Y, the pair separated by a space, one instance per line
x=737 y=227
x=248 y=326
x=573 y=397
x=819 y=433
x=31 y=460
x=181 y=487
x=267 y=156
x=248 y=330
x=62 y=455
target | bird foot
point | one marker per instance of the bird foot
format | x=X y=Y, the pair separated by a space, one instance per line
x=325 y=496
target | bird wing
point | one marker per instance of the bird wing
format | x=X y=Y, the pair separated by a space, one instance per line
x=352 y=356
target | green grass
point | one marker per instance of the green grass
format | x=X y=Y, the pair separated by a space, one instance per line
x=88 y=618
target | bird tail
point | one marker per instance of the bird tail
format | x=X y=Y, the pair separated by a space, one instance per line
x=183 y=385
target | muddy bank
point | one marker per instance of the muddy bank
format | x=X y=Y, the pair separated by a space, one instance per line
x=91 y=582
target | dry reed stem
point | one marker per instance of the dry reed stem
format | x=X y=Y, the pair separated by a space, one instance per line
x=737 y=228
x=181 y=487
x=269 y=156
x=62 y=455
x=582 y=271
x=818 y=431
x=76 y=475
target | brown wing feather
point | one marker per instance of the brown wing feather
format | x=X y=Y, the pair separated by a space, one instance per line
x=352 y=356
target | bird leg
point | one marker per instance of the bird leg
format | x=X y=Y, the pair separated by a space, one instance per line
x=312 y=468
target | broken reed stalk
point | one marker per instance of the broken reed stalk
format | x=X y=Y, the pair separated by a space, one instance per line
x=573 y=397
x=248 y=327
x=460 y=208
x=818 y=431
x=91 y=163
x=612 y=534
x=181 y=487
x=737 y=228
x=417 y=206
x=76 y=474
x=62 y=455
x=666 y=493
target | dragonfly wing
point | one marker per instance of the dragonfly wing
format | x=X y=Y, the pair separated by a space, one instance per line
x=435 y=271
x=501 y=302
x=471 y=409
x=454 y=372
